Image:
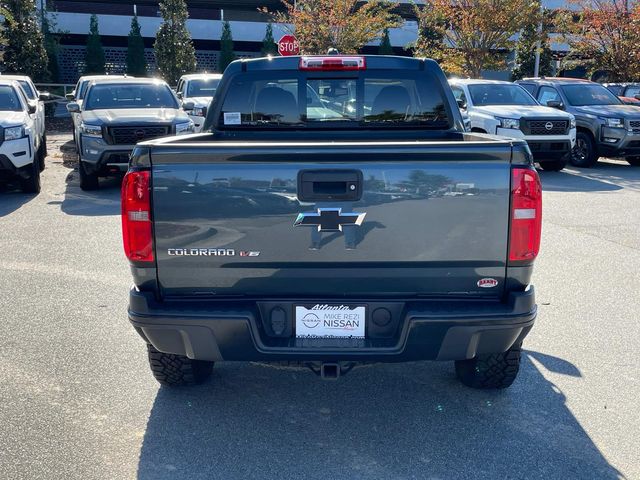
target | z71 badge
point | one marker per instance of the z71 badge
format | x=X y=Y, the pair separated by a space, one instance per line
x=210 y=252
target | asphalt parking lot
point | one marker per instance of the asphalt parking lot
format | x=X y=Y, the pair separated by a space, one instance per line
x=77 y=399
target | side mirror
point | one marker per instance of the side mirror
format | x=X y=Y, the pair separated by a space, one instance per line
x=555 y=104
x=32 y=107
x=70 y=96
x=179 y=94
x=44 y=96
x=188 y=106
x=461 y=104
x=637 y=97
x=73 y=107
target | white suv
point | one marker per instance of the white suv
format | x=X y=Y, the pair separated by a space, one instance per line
x=507 y=109
x=22 y=145
x=195 y=91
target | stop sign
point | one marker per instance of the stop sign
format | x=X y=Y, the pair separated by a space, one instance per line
x=288 y=45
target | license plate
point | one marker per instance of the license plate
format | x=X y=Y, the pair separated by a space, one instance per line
x=330 y=321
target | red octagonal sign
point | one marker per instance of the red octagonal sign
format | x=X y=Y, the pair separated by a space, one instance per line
x=288 y=45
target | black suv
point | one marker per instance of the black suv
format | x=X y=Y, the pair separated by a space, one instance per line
x=606 y=127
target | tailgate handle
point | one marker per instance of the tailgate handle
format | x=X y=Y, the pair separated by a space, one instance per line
x=335 y=185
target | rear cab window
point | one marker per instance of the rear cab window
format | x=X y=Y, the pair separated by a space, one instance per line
x=334 y=99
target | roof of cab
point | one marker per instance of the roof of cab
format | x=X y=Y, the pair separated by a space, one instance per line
x=132 y=80
x=373 y=62
x=478 y=81
x=15 y=77
x=9 y=81
x=554 y=80
x=191 y=76
x=99 y=77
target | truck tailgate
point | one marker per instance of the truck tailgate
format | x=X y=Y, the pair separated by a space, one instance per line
x=433 y=219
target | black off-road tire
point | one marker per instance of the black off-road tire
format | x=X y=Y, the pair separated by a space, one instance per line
x=633 y=161
x=497 y=370
x=553 y=165
x=176 y=370
x=44 y=144
x=32 y=183
x=88 y=181
x=585 y=152
x=42 y=154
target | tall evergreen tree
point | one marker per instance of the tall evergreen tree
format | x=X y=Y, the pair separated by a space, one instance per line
x=24 y=42
x=385 y=47
x=52 y=47
x=226 y=47
x=94 y=59
x=269 y=45
x=174 y=50
x=526 y=53
x=136 y=63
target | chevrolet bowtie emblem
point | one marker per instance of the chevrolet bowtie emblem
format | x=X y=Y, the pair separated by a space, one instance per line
x=329 y=219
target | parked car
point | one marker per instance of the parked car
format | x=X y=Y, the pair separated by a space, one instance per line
x=116 y=114
x=34 y=96
x=606 y=127
x=629 y=93
x=288 y=233
x=79 y=92
x=504 y=108
x=22 y=147
x=195 y=91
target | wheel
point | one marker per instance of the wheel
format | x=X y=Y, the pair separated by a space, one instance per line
x=42 y=154
x=32 y=183
x=174 y=370
x=44 y=143
x=88 y=181
x=633 y=161
x=496 y=370
x=553 y=165
x=584 y=153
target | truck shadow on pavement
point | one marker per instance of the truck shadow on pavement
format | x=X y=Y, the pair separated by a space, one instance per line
x=606 y=176
x=12 y=198
x=104 y=201
x=381 y=421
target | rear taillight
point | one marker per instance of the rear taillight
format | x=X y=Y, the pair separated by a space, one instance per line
x=526 y=215
x=332 y=63
x=136 y=216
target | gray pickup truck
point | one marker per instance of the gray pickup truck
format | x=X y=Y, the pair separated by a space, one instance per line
x=334 y=212
x=114 y=115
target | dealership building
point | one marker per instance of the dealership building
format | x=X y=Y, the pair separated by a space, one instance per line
x=247 y=22
x=248 y=25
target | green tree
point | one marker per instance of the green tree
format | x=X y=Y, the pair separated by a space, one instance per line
x=471 y=34
x=226 y=47
x=526 y=53
x=269 y=46
x=24 y=42
x=52 y=37
x=385 y=47
x=347 y=25
x=136 y=63
x=174 y=50
x=94 y=59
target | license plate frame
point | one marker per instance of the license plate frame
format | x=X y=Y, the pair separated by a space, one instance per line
x=330 y=320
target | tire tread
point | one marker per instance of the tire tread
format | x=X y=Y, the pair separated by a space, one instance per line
x=174 y=370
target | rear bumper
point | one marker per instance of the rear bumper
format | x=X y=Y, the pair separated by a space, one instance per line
x=425 y=330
